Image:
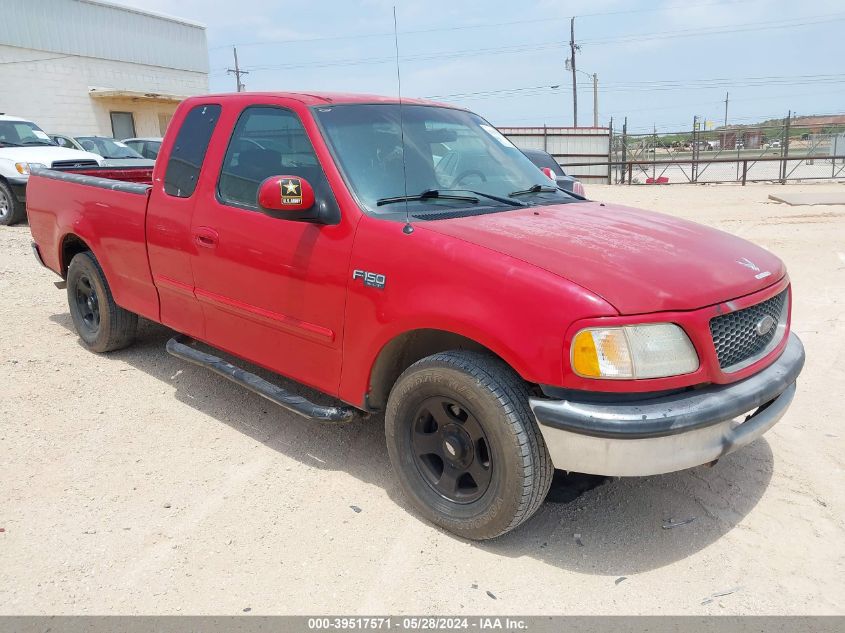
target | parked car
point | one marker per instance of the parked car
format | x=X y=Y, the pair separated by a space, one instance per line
x=23 y=147
x=546 y=161
x=114 y=153
x=148 y=147
x=504 y=328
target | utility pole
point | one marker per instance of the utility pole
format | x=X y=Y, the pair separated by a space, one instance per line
x=727 y=96
x=572 y=49
x=784 y=148
x=595 y=100
x=237 y=72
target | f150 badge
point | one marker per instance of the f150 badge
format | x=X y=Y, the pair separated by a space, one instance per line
x=373 y=280
x=291 y=190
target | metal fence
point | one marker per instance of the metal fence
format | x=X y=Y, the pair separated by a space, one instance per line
x=773 y=153
x=589 y=147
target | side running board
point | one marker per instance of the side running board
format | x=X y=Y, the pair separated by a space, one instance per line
x=179 y=347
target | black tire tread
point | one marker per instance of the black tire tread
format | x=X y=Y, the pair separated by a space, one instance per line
x=123 y=324
x=17 y=209
x=495 y=376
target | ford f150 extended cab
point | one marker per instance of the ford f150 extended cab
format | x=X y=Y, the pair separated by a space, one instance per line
x=406 y=258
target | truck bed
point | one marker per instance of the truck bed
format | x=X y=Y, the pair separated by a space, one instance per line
x=140 y=175
x=108 y=215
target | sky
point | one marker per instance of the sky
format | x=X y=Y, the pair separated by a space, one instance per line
x=658 y=62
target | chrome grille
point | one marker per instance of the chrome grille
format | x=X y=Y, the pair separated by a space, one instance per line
x=70 y=164
x=735 y=335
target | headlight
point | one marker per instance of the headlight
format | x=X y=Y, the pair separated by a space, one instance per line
x=26 y=168
x=653 y=350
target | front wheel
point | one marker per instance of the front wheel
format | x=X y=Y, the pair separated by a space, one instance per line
x=102 y=325
x=465 y=444
x=12 y=210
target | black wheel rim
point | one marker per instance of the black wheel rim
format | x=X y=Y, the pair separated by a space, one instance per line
x=451 y=450
x=88 y=303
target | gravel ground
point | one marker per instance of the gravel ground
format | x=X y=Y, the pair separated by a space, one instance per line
x=135 y=483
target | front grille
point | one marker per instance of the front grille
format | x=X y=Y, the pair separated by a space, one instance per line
x=70 y=164
x=736 y=338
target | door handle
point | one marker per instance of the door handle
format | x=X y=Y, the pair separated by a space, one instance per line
x=206 y=237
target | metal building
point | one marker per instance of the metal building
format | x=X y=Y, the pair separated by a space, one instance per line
x=93 y=67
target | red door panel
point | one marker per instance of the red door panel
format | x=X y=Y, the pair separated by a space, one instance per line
x=170 y=240
x=272 y=291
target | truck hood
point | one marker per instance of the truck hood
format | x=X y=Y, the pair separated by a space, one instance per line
x=639 y=261
x=45 y=154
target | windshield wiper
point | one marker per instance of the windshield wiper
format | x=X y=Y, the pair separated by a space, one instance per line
x=425 y=195
x=490 y=196
x=534 y=189
x=10 y=144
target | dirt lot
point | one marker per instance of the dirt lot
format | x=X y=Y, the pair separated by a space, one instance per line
x=135 y=483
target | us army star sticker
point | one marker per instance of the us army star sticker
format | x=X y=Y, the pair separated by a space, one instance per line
x=291 y=190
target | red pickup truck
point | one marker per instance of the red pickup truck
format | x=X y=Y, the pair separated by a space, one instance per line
x=406 y=258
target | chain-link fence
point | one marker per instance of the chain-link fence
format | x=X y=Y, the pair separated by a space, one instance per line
x=775 y=153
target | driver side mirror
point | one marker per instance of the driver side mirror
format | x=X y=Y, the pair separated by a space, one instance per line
x=288 y=198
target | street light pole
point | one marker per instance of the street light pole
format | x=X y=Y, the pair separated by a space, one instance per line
x=595 y=100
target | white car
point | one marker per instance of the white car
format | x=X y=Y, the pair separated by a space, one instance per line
x=148 y=146
x=24 y=147
x=114 y=153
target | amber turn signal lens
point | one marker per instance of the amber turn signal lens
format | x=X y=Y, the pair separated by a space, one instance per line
x=585 y=361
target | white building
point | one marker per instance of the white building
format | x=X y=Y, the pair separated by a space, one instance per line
x=92 y=67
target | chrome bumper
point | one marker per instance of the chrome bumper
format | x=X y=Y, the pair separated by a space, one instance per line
x=668 y=433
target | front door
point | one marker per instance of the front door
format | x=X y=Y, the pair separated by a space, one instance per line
x=272 y=290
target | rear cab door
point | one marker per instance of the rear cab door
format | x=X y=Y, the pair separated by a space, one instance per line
x=172 y=203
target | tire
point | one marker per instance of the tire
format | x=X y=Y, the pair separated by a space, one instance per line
x=102 y=325
x=12 y=210
x=475 y=408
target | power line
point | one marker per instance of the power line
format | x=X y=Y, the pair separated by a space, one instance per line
x=720 y=30
x=648 y=82
x=523 y=48
x=528 y=48
x=491 y=92
x=704 y=84
x=485 y=25
x=531 y=91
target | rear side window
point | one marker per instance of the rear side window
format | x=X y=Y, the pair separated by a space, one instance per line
x=545 y=160
x=189 y=150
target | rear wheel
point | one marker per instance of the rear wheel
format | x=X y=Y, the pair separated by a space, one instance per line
x=465 y=444
x=102 y=325
x=12 y=210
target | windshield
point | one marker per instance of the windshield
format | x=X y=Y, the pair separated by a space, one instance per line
x=14 y=133
x=107 y=147
x=446 y=150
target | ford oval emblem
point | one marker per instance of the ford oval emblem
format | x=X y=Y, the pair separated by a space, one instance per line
x=764 y=325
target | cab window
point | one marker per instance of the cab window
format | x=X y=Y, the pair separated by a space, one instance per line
x=188 y=153
x=268 y=141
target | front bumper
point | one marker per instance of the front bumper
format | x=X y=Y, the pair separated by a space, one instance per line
x=668 y=433
x=18 y=186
